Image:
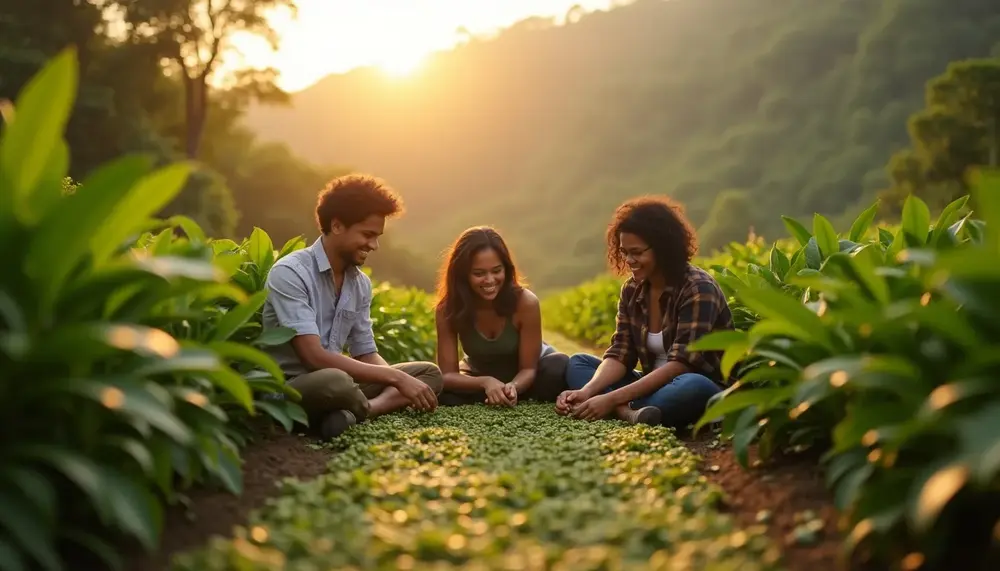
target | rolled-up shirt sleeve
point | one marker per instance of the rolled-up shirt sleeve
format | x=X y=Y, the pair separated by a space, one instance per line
x=698 y=310
x=361 y=339
x=287 y=293
x=622 y=347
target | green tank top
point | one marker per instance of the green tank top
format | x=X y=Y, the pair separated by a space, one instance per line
x=495 y=357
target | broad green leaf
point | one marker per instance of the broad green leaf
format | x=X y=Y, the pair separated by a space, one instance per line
x=276 y=412
x=718 y=340
x=95 y=545
x=33 y=487
x=745 y=432
x=986 y=194
x=134 y=509
x=951 y=393
x=28 y=529
x=826 y=236
x=948 y=216
x=247 y=354
x=79 y=469
x=238 y=316
x=145 y=198
x=734 y=353
x=233 y=384
x=278 y=336
x=55 y=249
x=980 y=438
x=292 y=245
x=89 y=341
x=224 y=245
x=884 y=237
x=191 y=228
x=778 y=262
x=261 y=249
x=813 y=256
x=796 y=229
x=737 y=401
x=11 y=558
x=49 y=188
x=916 y=220
x=805 y=324
x=897 y=246
x=937 y=488
x=169 y=267
x=28 y=142
x=862 y=223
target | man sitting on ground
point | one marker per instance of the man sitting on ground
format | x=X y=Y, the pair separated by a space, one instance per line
x=322 y=294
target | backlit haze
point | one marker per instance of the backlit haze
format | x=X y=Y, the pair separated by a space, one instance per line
x=335 y=36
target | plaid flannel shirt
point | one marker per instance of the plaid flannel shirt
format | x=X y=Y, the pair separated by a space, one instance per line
x=691 y=309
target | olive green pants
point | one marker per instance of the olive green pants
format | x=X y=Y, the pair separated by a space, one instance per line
x=327 y=390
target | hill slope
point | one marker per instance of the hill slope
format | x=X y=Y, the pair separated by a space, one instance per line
x=791 y=105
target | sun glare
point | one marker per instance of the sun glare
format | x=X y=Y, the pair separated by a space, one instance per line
x=403 y=64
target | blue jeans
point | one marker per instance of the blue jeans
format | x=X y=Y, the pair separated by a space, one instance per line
x=681 y=402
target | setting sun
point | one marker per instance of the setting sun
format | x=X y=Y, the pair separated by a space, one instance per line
x=397 y=36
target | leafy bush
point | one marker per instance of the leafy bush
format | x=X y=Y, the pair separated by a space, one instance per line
x=882 y=352
x=125 y=358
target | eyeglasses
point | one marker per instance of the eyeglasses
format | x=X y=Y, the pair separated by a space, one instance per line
x=634 y=254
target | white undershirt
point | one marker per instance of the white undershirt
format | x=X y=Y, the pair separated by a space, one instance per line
x=654 y=342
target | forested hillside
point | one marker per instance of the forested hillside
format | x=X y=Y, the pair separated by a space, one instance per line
x=739 y=108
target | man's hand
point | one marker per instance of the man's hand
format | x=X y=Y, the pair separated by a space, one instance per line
x=496 y=392
x=420 y=395
x=568 y=400
x=594 y=408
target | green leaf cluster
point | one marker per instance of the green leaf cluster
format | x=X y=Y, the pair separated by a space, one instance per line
x=131 y=359
x=879 y=348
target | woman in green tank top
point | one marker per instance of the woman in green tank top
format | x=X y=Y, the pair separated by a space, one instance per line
x=482 y=306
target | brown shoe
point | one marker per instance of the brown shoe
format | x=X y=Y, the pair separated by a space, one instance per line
x=336 y=423
x=646 y=415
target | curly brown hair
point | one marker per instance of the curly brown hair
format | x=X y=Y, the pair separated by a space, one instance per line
x=454 y=296
x=354 y=197
x=661 y=223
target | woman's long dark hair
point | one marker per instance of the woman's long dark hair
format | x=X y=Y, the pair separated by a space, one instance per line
x=454 y=295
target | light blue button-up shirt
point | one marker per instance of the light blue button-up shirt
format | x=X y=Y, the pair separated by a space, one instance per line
x=302 y=296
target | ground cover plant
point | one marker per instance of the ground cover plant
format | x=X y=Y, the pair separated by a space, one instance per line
x=882 y=352
x=479 y=488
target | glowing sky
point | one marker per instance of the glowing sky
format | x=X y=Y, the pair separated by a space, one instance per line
x=331 y=36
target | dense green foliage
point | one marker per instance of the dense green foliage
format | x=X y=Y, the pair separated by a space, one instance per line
x=877 y=345
x=795 y=106
x=131 y=362
x=882 y=351
x=474 y=487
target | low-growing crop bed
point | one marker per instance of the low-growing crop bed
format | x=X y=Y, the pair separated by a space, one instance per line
x=481 y=488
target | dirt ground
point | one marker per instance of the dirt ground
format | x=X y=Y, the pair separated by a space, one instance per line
x=781 y=493
x=274 y=456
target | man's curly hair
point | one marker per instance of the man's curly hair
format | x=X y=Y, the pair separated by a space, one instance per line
x=661 y=223
x=353 y=198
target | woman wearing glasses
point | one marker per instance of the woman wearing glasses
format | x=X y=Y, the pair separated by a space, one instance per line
x=664 y=306
x=498 y=322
